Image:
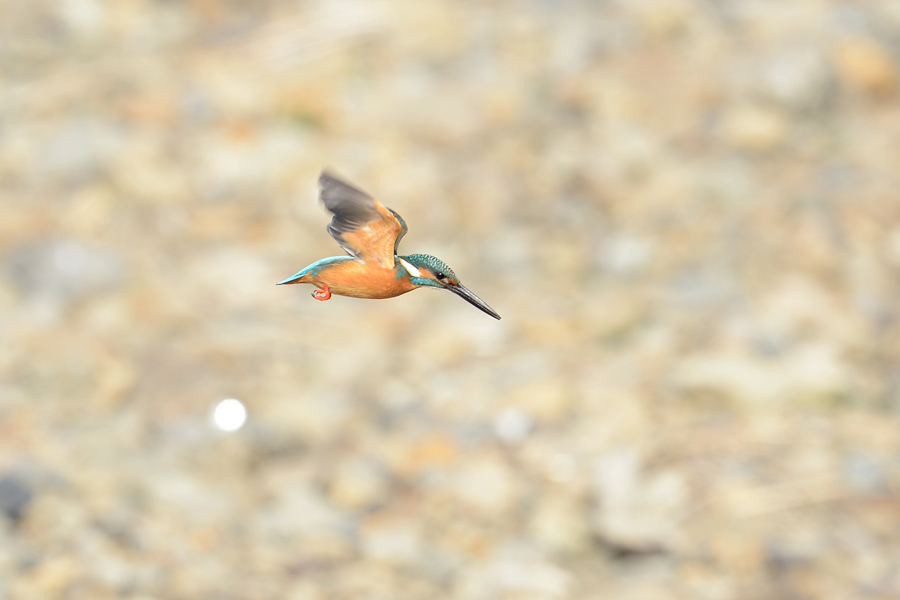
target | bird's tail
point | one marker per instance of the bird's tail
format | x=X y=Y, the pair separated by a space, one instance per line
x=297 y=278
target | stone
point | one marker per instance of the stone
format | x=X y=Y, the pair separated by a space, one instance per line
x=636 y=511
x=357 y=484
x=813 y=373
x=892 y=247
x=798 y=78
x=514 y=577
x=65 y=270
x=542 y=399
x=52 y=576
x=865 y=65
x=79 y=150
x=535 y=577
x=395 y=540
x=513 y=425
x=561 y=525
x=627 y=254
x=15 y=495
x=85 y=18
x=754 y=128
x=864 y=475
x=488 y=486
x=664 y=18
x=301 y=512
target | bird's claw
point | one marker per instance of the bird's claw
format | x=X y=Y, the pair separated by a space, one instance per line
x=323 y=294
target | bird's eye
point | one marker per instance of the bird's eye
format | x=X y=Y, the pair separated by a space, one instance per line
x=440 y=275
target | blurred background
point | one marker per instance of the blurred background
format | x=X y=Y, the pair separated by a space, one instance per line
x=685 y=210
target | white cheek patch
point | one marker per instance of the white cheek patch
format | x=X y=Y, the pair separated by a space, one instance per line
x=412 y=269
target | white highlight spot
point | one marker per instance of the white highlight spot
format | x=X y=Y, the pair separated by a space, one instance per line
x=411 y=268
x=512 y=425
x=230 y=415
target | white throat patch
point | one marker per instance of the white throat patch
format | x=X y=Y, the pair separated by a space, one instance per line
x=411 y=268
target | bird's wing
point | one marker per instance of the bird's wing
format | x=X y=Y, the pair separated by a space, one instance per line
x=363 y=226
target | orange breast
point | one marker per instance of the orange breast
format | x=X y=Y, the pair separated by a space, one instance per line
x=361 y=280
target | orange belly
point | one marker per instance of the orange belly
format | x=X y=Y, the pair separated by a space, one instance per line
x=360 y=280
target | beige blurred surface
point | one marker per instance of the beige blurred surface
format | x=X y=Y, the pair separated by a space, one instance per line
x=687 y=213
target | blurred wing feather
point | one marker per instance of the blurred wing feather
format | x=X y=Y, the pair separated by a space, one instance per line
x=363 y=226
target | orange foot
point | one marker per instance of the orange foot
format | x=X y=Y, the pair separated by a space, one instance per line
x=323 y=294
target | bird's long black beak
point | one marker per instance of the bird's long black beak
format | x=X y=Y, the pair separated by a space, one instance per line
x=464 y=293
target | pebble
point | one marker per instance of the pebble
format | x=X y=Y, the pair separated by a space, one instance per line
x=755 y=129
x=812 y=374
x=798 y=78
x=358 y=484
x=65 y=270
x=561 y=525
x=542 y=399
x=627 y=255
x=864 y=474
x=15 y=495
x=300 y=511
x=635 y=511
x=489 y=487
x=393 y=540
x=513 y=425
x=864 y=65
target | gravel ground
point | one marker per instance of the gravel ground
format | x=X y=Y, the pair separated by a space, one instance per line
x=686 y=211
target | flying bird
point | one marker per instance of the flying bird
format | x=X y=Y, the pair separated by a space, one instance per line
x=370 y=233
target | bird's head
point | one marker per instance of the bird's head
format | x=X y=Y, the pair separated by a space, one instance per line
x=428 y=271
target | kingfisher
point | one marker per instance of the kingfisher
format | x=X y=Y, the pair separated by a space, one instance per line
x=370 y=233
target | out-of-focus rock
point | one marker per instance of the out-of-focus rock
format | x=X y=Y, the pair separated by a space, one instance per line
x=434 y=451
x=636 y=511
x=115 y=378
x=393 y=540
x=300 y=511
x=892 y=247
x=626 y=254
x=795 y=546
x=740 y=549
x=515 y=577
x=812 y=373
x=15 y=495
x=488 y=486
x=544 y=399
x=51 y=517
x=864 y=474
x=304 y=590
x=357 y=484
x=65 y=270
x=608 y=418
x=78 y=152
x=84 y=18
x=661 y=18
x=561 y=524
x=535 y=577
x=52 y=576
x=513 y=424
x=313 y=417
x=798 y=78
x=865 y=65
x=754 y=128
